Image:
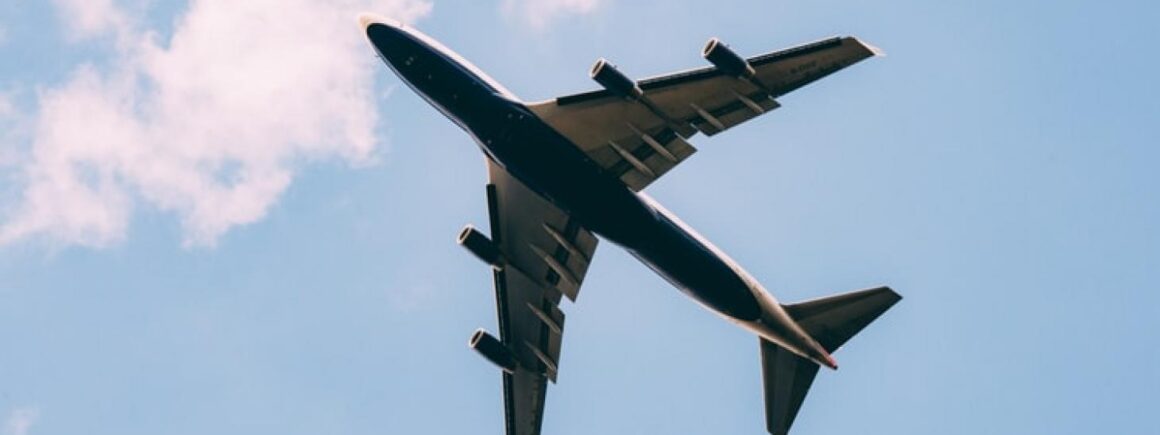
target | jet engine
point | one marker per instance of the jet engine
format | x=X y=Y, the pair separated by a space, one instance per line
x=614 y=81
x=481 y=246
x=493 y=350
x=726 y=60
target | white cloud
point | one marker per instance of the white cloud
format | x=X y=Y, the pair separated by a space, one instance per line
x=7 y=110
x=20 y=420
x=540 y=13
x=208 y=125
x=89 y=18
x=9 y=131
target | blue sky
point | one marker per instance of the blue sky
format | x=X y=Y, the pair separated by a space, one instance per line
x=228 y=219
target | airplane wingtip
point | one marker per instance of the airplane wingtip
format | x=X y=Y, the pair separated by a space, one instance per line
x=874 y=50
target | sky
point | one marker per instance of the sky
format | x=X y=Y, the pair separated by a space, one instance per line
x=226 y=217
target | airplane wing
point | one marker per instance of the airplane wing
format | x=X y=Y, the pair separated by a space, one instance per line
x=547 y=255
x=639 y=137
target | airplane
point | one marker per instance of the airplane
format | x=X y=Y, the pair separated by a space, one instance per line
x=565 y=171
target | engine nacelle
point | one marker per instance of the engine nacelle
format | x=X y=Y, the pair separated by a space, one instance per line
x=717 y=53
x=481 y=246
x=493 y=350
x=614 y=81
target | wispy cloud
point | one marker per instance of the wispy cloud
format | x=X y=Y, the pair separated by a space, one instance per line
x=9 y=132
x=89 y=18
x=541 y=13
x=7 y=110
x=20 y=420
x=208 y=125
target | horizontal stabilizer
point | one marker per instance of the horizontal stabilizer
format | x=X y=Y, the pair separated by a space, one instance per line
x=787 y=379
x=833 y=320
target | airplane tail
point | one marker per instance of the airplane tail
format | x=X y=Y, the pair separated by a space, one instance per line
x=831 y=321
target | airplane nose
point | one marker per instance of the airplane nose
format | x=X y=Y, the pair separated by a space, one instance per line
x=388 y=37
x=402 y=49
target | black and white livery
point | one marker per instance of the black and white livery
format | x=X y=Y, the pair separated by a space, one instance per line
x=567 y=173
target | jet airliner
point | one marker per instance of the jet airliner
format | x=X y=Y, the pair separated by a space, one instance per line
x=566 y=171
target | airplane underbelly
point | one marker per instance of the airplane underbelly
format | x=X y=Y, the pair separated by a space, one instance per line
x=696 y=271
x=560 y=172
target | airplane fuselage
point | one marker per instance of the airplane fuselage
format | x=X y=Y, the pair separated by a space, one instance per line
x=552 y=166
